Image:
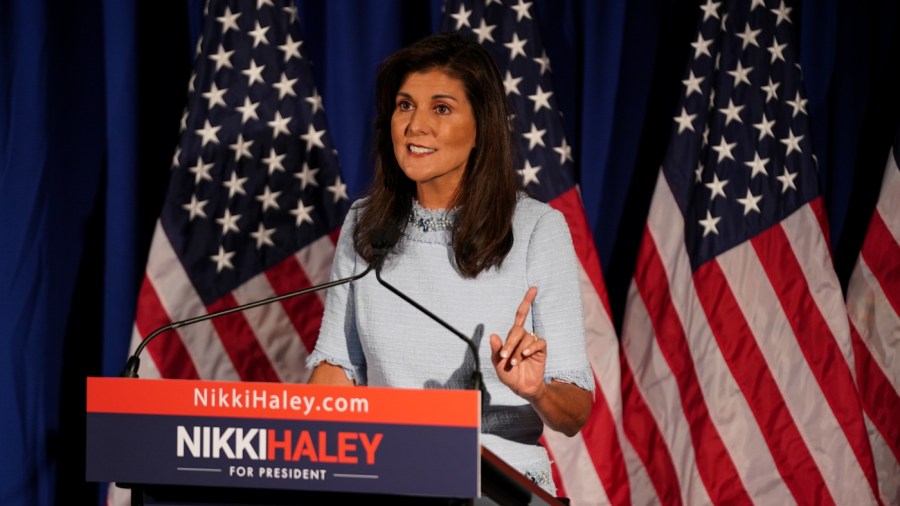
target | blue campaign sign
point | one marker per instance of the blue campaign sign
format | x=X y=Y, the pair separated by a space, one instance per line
x=150 y=442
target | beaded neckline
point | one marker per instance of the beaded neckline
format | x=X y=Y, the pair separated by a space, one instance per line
x=431 y=220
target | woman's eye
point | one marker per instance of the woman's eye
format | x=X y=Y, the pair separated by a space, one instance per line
x=442 y=109
x=404 y=106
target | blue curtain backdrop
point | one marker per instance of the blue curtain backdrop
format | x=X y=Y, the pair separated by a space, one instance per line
x=91 y=94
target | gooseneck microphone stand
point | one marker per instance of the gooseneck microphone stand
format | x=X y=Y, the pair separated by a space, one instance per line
x=476 y=382
x=134 y=362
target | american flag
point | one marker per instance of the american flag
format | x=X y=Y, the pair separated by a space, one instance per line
x=873 y=302
x=737 y=369
x=253 y=207
x=588 y=468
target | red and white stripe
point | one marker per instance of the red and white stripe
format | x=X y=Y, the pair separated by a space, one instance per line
x=589 y=468
x=267 y=343
x=737 y=378
x=873 y=303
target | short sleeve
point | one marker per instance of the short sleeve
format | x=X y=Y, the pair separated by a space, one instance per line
x=557 y=312
x=338 y=341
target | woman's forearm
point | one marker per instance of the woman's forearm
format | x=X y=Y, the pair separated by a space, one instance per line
x=563 y=407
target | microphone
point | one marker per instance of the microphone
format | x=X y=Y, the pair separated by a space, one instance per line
x=134 y=361
x=383 y=241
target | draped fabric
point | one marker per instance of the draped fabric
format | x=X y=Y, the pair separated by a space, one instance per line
x=91 y=96
x=737 y=363
x=52 y=165
x=256 y=192
x=873 y=302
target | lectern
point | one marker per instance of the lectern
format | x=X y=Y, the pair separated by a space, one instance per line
x=191 y=442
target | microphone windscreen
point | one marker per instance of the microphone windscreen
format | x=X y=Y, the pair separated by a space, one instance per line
x=385 y=238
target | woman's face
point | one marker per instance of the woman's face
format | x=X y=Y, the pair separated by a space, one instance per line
x=433 y=131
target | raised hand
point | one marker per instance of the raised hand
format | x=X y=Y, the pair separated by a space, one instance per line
x=521 y=359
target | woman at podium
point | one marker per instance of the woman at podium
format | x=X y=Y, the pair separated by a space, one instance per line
x=471 y=246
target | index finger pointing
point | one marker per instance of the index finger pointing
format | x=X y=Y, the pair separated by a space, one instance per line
x=525 y=306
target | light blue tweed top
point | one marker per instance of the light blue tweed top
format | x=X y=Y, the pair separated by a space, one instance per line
x=381 y=340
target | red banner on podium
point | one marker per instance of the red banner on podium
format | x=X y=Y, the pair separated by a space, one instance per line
x=284 y=436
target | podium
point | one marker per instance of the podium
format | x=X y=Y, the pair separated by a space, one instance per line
x=191 y=442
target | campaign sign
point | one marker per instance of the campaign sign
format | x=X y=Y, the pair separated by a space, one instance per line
x=284 y=436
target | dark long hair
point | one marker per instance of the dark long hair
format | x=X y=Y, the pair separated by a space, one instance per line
x=486 y=198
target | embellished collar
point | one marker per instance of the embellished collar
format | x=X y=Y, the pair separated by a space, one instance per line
x=431 y=220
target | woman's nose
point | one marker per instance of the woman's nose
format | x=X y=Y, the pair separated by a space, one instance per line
x=418 y=122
